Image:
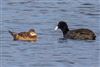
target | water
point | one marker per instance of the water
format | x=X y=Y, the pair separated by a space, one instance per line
x=49 y=50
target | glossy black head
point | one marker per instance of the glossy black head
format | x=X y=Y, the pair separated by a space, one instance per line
x=63 y=26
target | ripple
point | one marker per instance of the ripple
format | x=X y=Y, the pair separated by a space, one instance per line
x=70 y=62
x=44 y=65
x=90 y=14
x=83 y=58
x=62 y=3
x=13 y=3
x=87 y=4
x=6 y=55
x=28 y=10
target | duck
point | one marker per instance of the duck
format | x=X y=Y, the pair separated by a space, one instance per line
x=30 y=35
x=80 y=34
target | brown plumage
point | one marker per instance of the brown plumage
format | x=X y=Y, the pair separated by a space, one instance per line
x=31 y=35
x=82 y=34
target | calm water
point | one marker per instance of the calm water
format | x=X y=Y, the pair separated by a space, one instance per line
x=49 y=50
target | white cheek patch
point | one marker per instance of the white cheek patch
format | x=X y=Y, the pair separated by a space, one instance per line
x=32 y=34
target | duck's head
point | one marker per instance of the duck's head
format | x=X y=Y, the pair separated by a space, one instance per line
x=62 y=25
x=32 y=32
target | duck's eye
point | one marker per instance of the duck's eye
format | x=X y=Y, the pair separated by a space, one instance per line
x=32 y=33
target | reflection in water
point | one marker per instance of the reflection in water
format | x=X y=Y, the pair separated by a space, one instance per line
x=50 y=50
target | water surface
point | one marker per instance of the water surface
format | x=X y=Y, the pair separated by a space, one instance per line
x=49 y=50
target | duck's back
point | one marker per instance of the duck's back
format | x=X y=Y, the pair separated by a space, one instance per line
x=25 y=36
x=83 y=34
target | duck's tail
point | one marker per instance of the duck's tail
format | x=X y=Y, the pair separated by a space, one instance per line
x=94 y=37
x=13 y=34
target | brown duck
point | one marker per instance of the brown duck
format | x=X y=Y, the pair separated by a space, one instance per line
x=31 y=35
x=82 y=34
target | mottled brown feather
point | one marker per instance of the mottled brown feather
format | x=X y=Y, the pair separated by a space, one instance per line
x=24 y=36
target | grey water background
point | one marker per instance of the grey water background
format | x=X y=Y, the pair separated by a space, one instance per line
x=49 y=50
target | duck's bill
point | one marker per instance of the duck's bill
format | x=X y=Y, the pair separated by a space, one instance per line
x=56 y=27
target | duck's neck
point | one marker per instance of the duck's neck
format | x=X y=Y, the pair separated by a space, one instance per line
x=65 y=31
